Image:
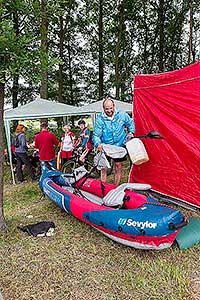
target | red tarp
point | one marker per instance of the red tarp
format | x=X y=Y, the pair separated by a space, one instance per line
x=170 y=103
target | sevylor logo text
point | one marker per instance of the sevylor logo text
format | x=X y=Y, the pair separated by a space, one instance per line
x=140 y=224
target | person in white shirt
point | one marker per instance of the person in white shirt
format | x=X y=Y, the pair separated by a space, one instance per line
x=67 y=143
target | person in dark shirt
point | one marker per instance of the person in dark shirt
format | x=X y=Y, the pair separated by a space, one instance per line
x=22 y=157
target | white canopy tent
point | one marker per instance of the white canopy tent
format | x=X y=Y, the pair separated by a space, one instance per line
x=37 y=109
x=42 y=108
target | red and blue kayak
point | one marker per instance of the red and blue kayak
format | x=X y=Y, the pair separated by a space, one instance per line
x=138 y=221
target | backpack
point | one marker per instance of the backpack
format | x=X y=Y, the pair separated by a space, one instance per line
x=15 y=141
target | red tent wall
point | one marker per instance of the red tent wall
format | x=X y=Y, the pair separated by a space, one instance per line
x=170 y=103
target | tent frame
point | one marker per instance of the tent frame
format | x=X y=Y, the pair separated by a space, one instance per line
x=8 y=119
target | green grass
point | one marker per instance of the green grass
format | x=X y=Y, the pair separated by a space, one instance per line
x=78 y=262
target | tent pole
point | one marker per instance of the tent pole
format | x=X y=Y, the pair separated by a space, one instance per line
x=64 y=120
x=7 y=130
x=93 y=116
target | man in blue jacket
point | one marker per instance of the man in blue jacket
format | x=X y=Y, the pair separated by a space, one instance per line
x=111 y=127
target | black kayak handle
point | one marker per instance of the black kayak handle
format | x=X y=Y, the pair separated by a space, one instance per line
x=173 y=226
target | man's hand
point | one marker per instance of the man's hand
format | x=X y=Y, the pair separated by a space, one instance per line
x=100 y=147
x=129 y=136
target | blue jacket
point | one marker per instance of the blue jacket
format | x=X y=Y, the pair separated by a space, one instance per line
x=113 y=131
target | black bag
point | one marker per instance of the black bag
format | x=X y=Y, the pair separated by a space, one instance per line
x=44 y=228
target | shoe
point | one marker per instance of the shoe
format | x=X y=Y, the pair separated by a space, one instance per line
x=34 y=179
x=22 y=182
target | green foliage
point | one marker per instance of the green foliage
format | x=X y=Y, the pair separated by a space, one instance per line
x=73 y=44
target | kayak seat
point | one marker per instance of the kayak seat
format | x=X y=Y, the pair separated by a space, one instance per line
x=115 y=198
x=93 y=198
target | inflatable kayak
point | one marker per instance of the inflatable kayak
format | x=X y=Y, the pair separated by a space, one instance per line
x=120 y=213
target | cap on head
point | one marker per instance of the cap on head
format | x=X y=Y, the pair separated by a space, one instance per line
x=19 y=128
x=81 y=122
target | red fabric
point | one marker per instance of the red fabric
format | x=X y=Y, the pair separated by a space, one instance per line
x=71 y=134
x=170 y=103
x=45 y=142
x=66 y=154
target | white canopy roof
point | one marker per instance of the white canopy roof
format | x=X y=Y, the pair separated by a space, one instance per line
x=40 y=108
x=97 y=107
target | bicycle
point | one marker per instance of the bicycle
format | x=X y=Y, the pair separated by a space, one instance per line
x=88 y=163
x=76 y=161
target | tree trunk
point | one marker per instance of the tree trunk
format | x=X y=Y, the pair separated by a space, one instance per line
x=70 y=75
x=161 y=36
x=60 y=71
x=118 y=49
x=101 y=62
x=64 y=25
x=64 y=22
x=44 y=51
x=2 y=220
x=15 y=88
x=191 y=52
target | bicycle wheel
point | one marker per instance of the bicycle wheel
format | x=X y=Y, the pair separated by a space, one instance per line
x=69 y=166
x=89 y=165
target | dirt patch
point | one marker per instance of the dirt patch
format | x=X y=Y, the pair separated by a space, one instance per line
x=195 y=284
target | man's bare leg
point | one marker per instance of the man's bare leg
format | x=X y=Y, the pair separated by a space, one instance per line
x=118 y=172
x=103 y=175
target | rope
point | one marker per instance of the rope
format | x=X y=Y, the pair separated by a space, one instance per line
x=166 y=84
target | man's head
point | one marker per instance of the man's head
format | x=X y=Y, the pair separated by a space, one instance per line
x=81 y=124
x=44 y=126
x=20 y=128
x=109 y=106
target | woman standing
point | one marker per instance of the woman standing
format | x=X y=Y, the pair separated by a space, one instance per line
x=67 y=144
x=21 y=154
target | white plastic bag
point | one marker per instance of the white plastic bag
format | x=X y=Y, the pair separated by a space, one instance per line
x=101 y=162
x=114 y=151
x=137 y=151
